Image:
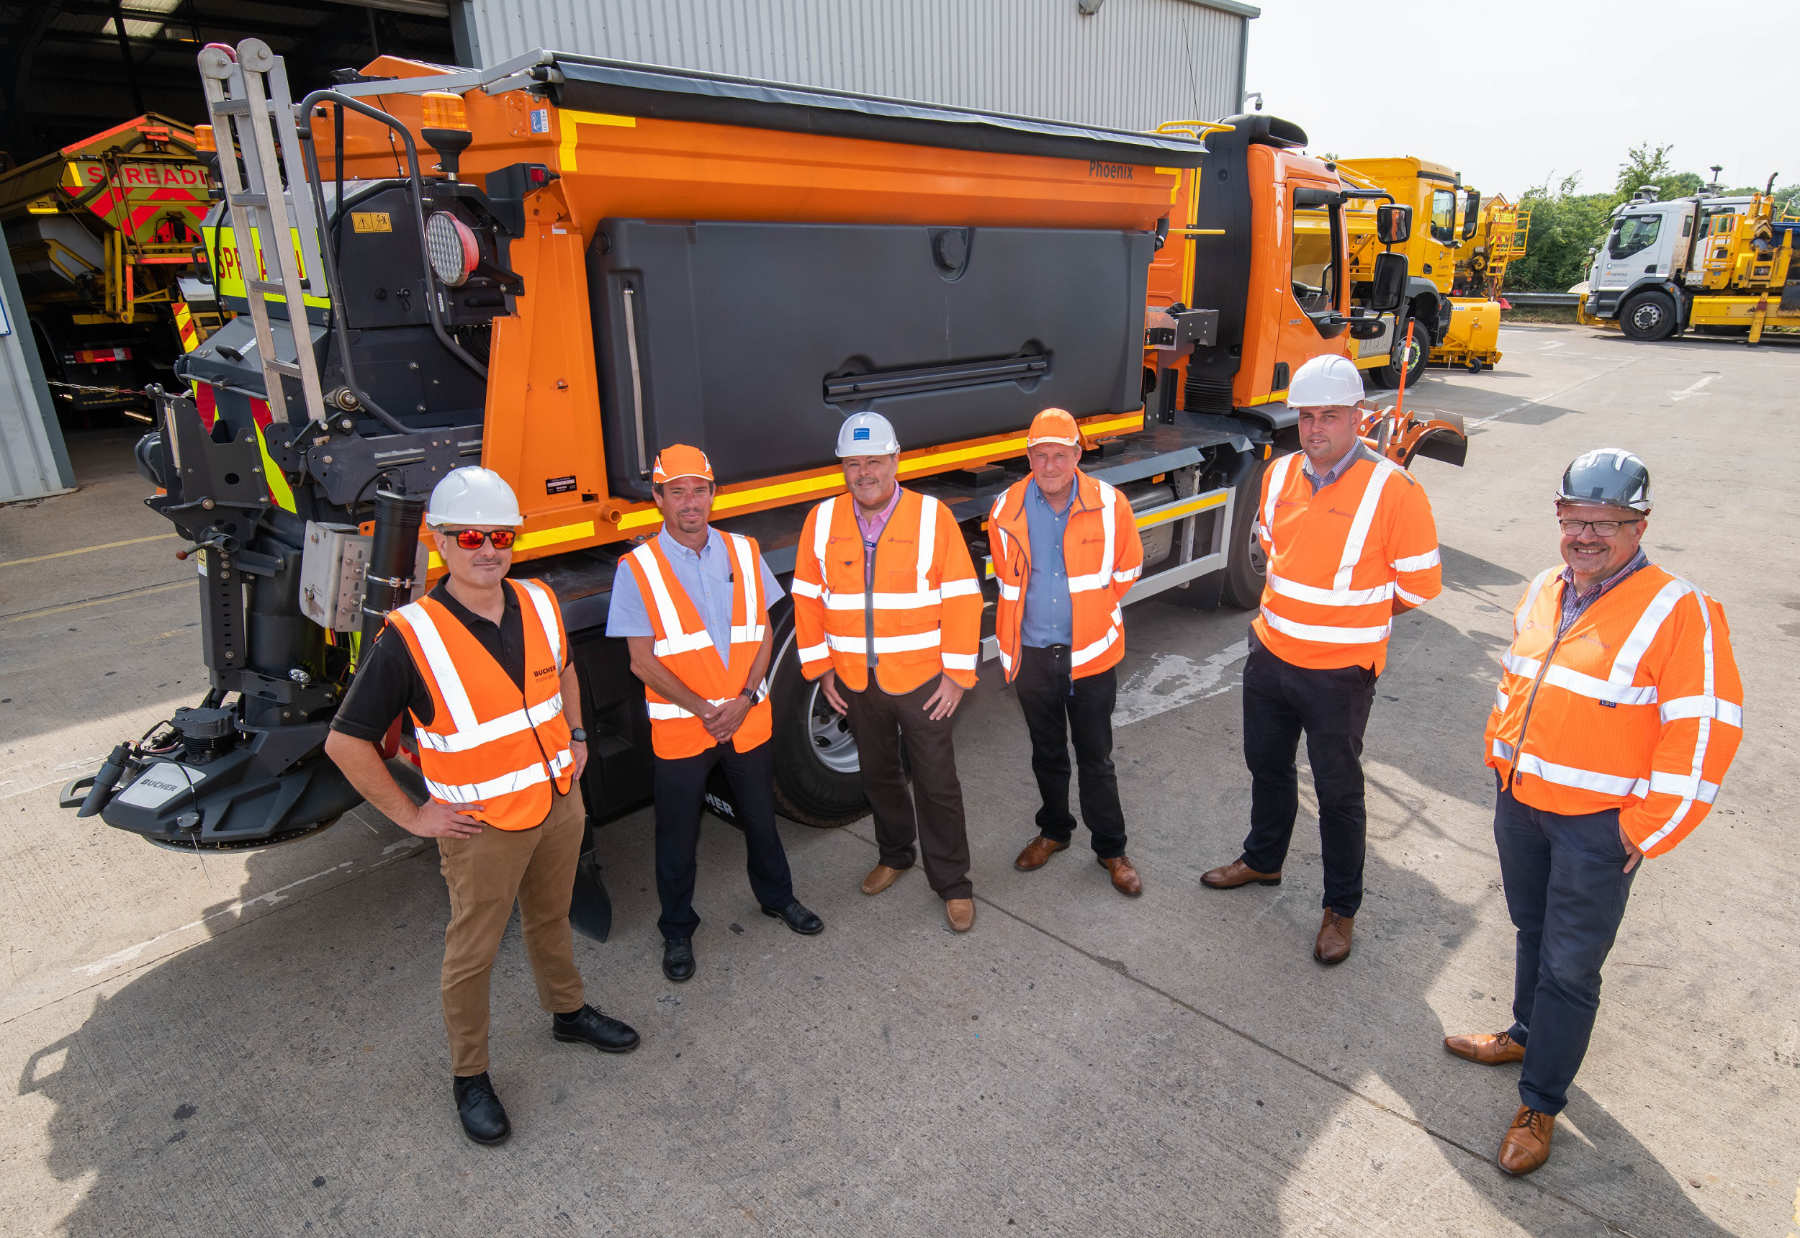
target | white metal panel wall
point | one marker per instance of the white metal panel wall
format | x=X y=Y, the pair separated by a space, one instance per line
x=33 y=461
x=1130 y=65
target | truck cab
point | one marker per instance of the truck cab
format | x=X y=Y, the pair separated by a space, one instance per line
x=1654 y=256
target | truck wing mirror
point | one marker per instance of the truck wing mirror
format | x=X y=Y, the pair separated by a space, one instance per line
x=1307 y=197
x=1393 y=224
x=1388 y=288
x=1471 y=213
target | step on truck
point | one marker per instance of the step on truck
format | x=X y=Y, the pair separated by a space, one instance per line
x=555 y=266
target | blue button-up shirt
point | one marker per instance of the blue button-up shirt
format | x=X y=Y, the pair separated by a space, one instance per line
x=706 y=576
x=1318 y=483
x=1049 y=618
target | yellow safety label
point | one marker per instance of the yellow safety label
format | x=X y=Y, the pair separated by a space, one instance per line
x=371 y=221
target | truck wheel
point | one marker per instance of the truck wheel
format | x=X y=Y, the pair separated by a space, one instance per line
x=1411 y=364
x=1245 y=564
x=818 y=779
x=1648 y=316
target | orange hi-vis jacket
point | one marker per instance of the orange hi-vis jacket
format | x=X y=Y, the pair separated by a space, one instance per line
x=685 y=647
x=1103 y=555
x=488 y=743
x=923 y=615
x=1342 y=561
x=1636 y=707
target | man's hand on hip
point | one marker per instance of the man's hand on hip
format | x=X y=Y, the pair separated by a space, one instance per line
x=942 y=703
x=435 y=820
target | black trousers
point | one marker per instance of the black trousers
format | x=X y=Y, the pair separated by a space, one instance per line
x=882 y=725
x=680 y=789
x=1332 y=708
x=1058 y=710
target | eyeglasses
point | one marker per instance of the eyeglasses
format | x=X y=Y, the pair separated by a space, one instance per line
x=1602 y=528
x=471 y=539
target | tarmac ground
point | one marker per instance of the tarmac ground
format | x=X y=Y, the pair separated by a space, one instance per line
x=250 y=1042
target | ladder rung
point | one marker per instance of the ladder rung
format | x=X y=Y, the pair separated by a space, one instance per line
x=291 y=369
x=231 y=107
x=265 y=285
x=250 y=199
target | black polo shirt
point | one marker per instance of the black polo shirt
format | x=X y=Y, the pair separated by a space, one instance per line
x=387 y=684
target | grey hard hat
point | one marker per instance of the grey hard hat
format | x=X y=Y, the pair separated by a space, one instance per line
x=1609 y=475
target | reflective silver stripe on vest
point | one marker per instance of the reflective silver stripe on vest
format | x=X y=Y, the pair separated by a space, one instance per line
x=1692 y=787
x=1278 y=475
x=495 y=728
x=1102 y=578
x=1326 y=635
x=885 y=644
x=443 y=669
x=674 y=639
x=546 y=613
x=505 y=784
x=1359 y=525
x=750 y=632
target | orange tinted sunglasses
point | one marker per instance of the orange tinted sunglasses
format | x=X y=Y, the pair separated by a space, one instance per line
x=471 y=539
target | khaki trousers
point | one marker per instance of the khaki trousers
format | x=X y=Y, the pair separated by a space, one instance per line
x=485 y=875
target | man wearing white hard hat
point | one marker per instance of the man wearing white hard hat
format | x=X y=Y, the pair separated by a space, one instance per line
x=1351 y=543
x=480 y=665
x=1066 y=551
x=887 y=617
x=693 y=605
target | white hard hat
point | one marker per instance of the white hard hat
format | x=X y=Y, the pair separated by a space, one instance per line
x=867 y=434
x=1325 y=380
x=473 y=497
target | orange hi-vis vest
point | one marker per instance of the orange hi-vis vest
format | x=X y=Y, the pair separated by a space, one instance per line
x=923 y=615
x=1103 y=556
x=1637 y=707
x=487 y=742
x=684 y=646
x=1339 y=560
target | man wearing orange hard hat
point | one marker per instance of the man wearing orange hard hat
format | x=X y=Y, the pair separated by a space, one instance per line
x=1066 y=552
x=693 y=605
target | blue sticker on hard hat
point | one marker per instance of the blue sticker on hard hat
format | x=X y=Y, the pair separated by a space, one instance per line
x=860 y=434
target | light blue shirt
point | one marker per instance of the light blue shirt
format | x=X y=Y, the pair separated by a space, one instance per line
x=1049 y=617
x=705 y=575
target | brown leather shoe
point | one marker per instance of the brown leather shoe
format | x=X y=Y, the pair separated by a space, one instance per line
x=1487 y=1048
x=960 y=912
x=1333 y=945
x=1235 y=874
x=880 y=878
x=1037 y=853
x=1527 y=1142
x=1125 y=878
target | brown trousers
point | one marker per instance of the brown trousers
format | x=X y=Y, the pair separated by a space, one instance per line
x=485 y=875
x=882 y=724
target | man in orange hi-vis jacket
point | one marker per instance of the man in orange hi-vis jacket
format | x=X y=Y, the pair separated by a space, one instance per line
x=1351 y=543
x=1066 y=551
x=887 y=616
x=481 y=666
x=1618 y=713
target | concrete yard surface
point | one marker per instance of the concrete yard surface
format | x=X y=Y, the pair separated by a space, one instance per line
x=250 y=1042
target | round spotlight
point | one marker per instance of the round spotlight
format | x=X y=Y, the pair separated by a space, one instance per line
x=451 y=243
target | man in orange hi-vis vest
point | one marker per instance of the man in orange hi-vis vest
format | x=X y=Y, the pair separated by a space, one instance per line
x=887 y=617
x=1618 y=712
x=1066 y=551
x=693 y=605
x=1350 y=543
x=481 y=666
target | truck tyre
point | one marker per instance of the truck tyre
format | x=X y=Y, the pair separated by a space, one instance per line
x=1245 y=563
x=1648 y=316
x=1413 y=365
x=818 y=780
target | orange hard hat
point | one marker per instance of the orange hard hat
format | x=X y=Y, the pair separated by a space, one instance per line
x=1054 y=425
x=680 y=460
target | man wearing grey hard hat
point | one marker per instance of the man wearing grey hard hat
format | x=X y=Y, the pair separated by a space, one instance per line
x=1618 y=712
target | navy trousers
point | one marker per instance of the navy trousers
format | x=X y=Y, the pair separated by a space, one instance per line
x=680 y=790
x=1565 y=890
x=1059 y=709
x=1331 y=707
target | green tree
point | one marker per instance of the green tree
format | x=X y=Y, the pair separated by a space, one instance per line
x=1644 y=165
x=1565 y=224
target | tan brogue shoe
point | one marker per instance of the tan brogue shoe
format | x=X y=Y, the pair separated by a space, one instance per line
x=1125 y=878
x=1487 y=1048
x=1037 y=853
x=1333 y=945
x=1235 y=874
x=960 y=912
x=1527 y=1142
x=880 y=878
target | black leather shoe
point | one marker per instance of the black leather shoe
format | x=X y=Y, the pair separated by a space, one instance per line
x=483 y=1117
x=798 y=918
x=678 y=959
x=588 y=1026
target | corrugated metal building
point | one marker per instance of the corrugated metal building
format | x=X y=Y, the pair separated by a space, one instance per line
x=1127 y=64
x=33 y=460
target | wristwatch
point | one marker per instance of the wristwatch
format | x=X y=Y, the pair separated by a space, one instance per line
x=750 y=692
x=578 y=735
